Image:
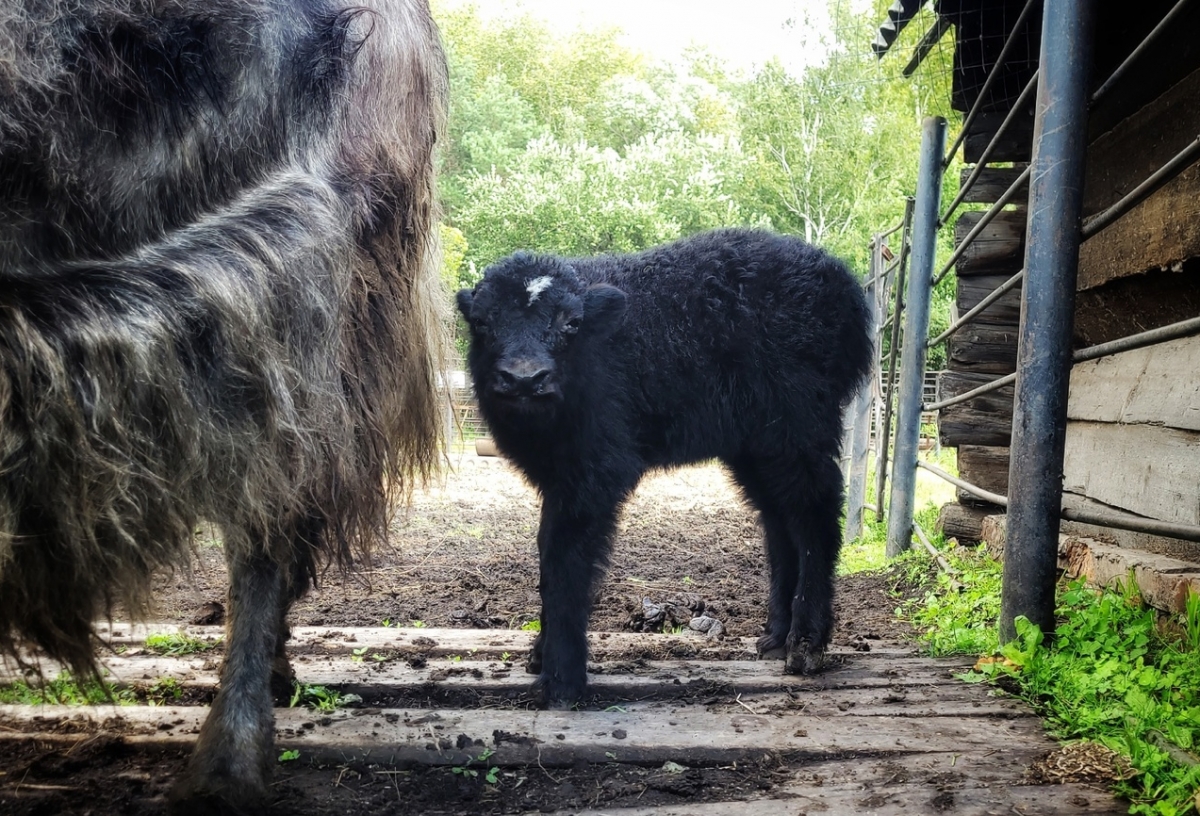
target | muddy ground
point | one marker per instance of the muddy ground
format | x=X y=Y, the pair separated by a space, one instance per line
x=464 y=556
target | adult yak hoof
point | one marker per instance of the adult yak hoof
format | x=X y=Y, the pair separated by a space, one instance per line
x=187 y=800
x=803 y=658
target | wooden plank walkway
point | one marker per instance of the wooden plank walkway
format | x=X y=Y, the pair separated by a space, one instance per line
x=883 y=731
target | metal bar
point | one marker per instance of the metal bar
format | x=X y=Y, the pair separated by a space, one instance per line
x=892 y=231
x=1172 y=331
x=1137 y=52
x=1013 y=113
x=987 y=218
x=991 y=297
x=994 y=385
x=1137 y=524
x=930 y=39
x=1159 y=179
x=860 y=437
x=882 y=273
x=991 y=79
x=1119 y=521
x=978 y=492
x=1047 y=312
x=916 y=332
x=882 y=440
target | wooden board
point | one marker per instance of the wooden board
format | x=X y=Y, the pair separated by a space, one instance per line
x=962 y=521
x=1144 y=469
x=992 y=183
x=1158 y=385
x=985 y=466
x=1130 y=305
x=999 y=248
x=983 y=420
x=1161 y=231
x=983 y=348
x=1014 y=145
x=1004 y=312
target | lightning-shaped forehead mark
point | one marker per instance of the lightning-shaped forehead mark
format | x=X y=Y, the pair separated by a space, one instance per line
x=536 y=286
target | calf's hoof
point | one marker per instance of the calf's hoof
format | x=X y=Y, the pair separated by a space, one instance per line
x=803 y=658
x=557 y=695
x=770 y=647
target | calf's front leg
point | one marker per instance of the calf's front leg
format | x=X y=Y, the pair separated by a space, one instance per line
x=573 y=547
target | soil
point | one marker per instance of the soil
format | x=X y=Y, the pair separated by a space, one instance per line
x=464 y=556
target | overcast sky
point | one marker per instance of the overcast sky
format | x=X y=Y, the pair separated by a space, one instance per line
x=746 y=33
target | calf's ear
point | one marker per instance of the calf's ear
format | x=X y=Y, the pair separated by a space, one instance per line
x=603 y=307
x=464 y=299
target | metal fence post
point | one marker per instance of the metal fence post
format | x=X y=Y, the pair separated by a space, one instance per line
x=860 y=410
x=883 y=439
x=916 y=336
x=1047 y=312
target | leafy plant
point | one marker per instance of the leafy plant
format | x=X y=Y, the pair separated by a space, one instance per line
x=164 y=691
x=65 y=690
x=491 y=773
x=534 y=625
x=417 y=624
x=178 y=644
x=290 y=755
x=320 y=698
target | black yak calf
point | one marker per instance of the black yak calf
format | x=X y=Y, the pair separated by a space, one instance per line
x=218 y=300
x=734 y=344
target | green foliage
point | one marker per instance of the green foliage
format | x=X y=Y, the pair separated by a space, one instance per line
x=320 y=698
x=534 y=625
x=491 y=773
x=290 y=755
x=65 y=690
x=177 y=644
x=164 y=691
x=1115 y=672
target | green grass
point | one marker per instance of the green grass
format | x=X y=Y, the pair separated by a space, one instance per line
x=177 y=644
x=320 y=698
x=65 y=690
x=1116 y=672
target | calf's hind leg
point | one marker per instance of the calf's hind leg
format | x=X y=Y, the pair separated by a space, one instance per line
x=799 y=501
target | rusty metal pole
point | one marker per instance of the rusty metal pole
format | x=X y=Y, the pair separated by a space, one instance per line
x=1047 y=312
x=916 y=336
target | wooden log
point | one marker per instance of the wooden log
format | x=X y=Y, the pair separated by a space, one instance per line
x=1144 y=469
x=1160 y=232
x=1130 y=305
x=993 y=182
x=999 y=247
x=984 y=349
x=963 y=522
x=1004 y=312
x=984 y=466
x=1014 y=145
x=982 y=420
x=1155 y=385
x=993 y=533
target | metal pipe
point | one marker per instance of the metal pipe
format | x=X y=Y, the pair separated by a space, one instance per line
x=1172 y=331
x=1137 y=52
x=978 y=492
x=987 y=218
x=990 y=298
x=1159 y=179
x=992 y=76
x=883 y=439
x=994 y=385
x=981 y=164
x=1119 y=521
x=916 y=332
x=860 y=436
x=1047 y=312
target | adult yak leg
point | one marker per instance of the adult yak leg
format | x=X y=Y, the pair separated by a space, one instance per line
x=573 y=547
x=231 y=766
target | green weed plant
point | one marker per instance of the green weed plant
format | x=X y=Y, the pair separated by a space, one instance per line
x=1116 y=672
x=65 y=690
x=177 y=644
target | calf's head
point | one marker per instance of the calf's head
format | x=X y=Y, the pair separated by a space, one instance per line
x=529 y=316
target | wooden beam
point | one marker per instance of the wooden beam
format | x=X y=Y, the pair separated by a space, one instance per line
x=1160 y=232
x=964 y=522
x=983 y=349
x=1014 y=145
x=999 y=249
x=984 y=466
x=1144 y=469
x=1158 y=385
x=1004 y=312
x=984 y=420
x=993 y=182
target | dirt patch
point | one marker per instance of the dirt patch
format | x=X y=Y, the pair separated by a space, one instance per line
x=464 y=556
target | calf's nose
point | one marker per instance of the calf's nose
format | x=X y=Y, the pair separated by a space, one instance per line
x=521 y=377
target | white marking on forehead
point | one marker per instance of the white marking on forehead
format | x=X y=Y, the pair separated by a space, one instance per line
x=536 y=286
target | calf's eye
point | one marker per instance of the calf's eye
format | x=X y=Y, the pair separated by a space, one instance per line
x=571 y=326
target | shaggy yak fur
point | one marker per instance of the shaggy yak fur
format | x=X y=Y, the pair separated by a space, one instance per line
x=734 y=344
x=218 y=300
